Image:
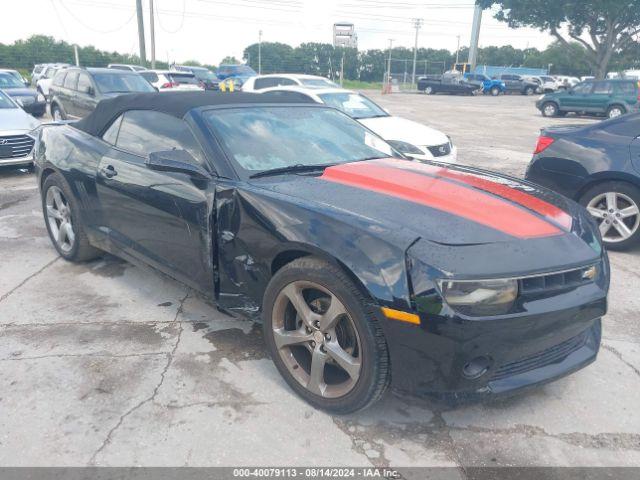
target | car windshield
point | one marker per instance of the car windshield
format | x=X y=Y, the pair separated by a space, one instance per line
x=265 y=138
x=205 y=75
x=353 y=104
x=318 y=83
x=240 y=70
x=121 y=83
x=9 y=81
x=5 y=101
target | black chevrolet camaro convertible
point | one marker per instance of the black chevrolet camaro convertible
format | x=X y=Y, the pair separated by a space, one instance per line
x=366 y=270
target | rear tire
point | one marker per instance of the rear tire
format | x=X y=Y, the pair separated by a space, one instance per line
x=64 y=221
x=529 y=91
x=550 y=109
x=428 y=90
x=615 y=111
x=296 y=341
x=619 y=204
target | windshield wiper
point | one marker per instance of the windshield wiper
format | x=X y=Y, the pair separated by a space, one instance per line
x=298 y=167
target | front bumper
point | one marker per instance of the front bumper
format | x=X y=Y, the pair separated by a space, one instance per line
x=26 y=160
x=551 y=337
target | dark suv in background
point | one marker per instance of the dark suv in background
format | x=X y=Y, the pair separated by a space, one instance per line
x=75 y=92
x=602 y=97
x=206 y=77
x=517 y=84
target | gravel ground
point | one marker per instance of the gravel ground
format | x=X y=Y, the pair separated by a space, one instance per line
x=108 y=364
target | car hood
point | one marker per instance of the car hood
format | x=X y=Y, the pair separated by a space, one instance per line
x=21 y=92
x=16 y=120
x=451 y=210
x=397 y=128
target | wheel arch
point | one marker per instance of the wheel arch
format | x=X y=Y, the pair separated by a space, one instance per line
x=291 y=252
x=604 y=177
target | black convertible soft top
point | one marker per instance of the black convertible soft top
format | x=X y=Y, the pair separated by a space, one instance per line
x=176 y=104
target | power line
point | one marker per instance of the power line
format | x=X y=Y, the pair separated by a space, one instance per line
x=89 y=26
x=157 y=15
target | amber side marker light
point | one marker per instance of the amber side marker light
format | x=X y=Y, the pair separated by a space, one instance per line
x=401 y=316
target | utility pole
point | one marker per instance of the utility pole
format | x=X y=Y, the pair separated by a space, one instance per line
x=458 y=51
x=342 y=69
x=143 y=53
x=152 y=30
x=75 y=52
x=417 y=23
x=475 y=37
x=259 y=52
x=389 y=62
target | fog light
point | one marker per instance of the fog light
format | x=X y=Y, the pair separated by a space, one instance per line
x=476 y=367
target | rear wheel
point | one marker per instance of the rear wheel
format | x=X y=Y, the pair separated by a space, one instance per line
x=615 y=111
x=529 y=91
x=324 y=340
x=615 y=206
x=550 y=109
x=428 y=90
x=63 y=221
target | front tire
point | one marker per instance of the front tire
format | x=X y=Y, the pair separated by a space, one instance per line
x=495 y=91
x=56 y=114
x=63 y=220
x=616 y=208
x=324 y=338
x=529 y=91
x=428 y=90
x=550 y=109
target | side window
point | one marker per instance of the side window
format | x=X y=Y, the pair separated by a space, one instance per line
x=144 y=132
x=626 y=88
x=58 y=80
x=71 y=80
x=286 y=81
x=603 y=88
x=84 y=83
x=583 y=87
x=111 y=134
x=261 y=83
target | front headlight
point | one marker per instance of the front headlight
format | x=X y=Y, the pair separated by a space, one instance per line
x=480 y=297
x=404 y=147
x=540 y=97
x=40 y=98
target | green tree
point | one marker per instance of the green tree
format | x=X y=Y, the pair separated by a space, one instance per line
x=230 y=60
x=602 y=27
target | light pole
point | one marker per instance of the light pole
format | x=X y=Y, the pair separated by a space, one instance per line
x=417 y=22
x=143 y=53
x=152 y=31
x=458 y=51
x=389 y=63
x=259 y=52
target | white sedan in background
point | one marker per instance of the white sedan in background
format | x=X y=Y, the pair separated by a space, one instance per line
x=410 y=138
x=172 y=81
x=272 y=80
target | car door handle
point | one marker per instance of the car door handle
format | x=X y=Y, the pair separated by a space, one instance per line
x=108 y=171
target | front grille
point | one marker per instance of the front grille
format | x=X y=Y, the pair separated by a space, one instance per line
x=541 y=284
x=440 y=150
x=15 y=146
x=551 y=355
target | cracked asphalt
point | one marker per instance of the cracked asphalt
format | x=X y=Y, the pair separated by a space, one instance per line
x=105 y=363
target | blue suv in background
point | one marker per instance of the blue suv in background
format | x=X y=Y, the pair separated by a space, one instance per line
x=238 y=72
x=489 y=85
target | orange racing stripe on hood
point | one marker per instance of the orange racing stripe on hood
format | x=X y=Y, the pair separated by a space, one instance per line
x=547 y=210
x=450 y=197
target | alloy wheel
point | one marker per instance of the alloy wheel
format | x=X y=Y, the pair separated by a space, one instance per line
x=316 y=339
x=615 y=112
x=59 y=219
x=617 y=214
x=550 y=110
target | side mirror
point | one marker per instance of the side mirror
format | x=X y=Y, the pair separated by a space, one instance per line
x=26 y=83
x=178 y=161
